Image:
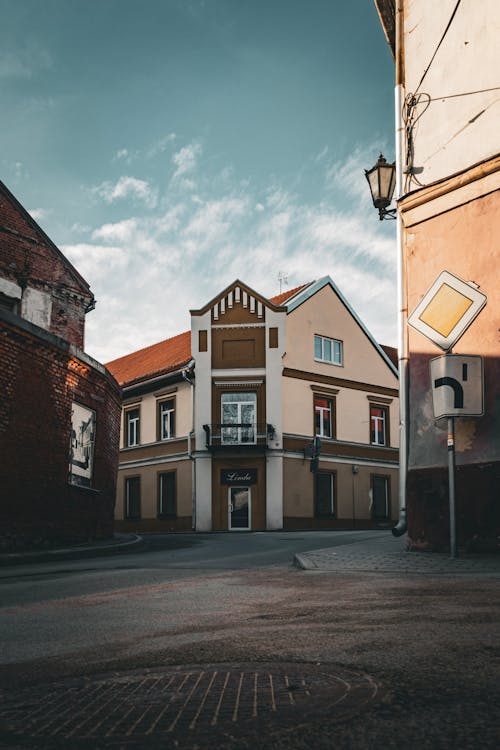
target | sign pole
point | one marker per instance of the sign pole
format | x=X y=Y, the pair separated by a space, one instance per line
x=451 y=485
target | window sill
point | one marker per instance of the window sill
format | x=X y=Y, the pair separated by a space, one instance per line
x=327 y=362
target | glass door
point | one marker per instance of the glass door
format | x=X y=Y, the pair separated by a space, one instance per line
x=239 y=413
x=239 y=508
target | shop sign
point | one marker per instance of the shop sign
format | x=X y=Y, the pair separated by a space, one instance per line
x=238 y=476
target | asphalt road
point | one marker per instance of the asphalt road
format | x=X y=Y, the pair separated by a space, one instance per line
x=232 y=608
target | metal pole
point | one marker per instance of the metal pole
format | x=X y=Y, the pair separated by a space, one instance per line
x=399 y=96
x=451 y=485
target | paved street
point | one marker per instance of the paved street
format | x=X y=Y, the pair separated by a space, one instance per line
x=220 y=641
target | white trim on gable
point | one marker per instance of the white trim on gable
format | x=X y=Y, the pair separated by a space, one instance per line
x=304 y=294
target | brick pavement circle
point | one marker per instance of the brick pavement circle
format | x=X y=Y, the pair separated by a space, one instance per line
x=179 y=704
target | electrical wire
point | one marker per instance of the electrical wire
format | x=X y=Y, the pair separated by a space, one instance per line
x=465 y=93
x=438 y=46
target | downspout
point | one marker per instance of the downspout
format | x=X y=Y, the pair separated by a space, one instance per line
x=190 y=452
x=399 y=97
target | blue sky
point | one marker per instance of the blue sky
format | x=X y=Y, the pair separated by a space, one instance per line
x=171 y=146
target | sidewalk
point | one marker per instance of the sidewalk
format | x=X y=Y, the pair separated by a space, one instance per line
x=118 y=543
x=388 y=555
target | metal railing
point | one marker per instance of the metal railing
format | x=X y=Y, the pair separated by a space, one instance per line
x=240 y=434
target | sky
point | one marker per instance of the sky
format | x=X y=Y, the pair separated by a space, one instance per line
x=169 y=147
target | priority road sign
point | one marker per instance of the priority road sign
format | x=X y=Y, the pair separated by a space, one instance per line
x=447 y=310
x=457 y=386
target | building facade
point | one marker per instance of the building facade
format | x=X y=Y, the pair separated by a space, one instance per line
x=59 y=408
x=268 y=414
x=447 y=63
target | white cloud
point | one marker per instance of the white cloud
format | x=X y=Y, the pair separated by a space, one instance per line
x=121 y=232
x=127 y=187
x=186 y=159
x=25 y=62
x=95 y=261
x=160 y=146
x=184 y=250
x=38 y=213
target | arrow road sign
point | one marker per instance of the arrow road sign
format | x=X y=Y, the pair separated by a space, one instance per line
x=457 y=386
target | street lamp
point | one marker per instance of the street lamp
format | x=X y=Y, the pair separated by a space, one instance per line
x=382 y=180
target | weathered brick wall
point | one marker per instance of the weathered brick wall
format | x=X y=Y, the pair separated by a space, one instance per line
x=29 y=259
x=40 y=377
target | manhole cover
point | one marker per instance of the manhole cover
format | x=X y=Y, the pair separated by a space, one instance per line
x=181 y=703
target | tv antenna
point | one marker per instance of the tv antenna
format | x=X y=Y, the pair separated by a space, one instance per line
x=282 y=278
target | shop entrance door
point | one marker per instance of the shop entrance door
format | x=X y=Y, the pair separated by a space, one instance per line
x=239 y=508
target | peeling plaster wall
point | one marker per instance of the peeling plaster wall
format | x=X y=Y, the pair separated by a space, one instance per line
x=452 y=133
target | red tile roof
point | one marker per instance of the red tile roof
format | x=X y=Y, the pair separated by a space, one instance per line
x=392 y=353
x=280 y=299
x=166 y=356
x=152 y=361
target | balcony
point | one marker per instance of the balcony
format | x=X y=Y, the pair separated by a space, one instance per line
x=238 y=436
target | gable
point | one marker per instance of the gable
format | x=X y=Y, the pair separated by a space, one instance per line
x=237 y=304
x=26 y=247
x=323 y=311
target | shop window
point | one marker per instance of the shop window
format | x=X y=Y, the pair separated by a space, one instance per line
x=325 y=495
x=132 y=498
x=167 y=500
x=380 y=498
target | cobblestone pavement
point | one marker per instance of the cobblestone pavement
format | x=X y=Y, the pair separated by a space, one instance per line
x=388 y=555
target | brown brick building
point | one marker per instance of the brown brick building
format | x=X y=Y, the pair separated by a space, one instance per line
x=59 y=408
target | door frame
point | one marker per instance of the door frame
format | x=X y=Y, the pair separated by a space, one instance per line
x=248 y=488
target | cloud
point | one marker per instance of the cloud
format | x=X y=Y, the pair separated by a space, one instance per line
x=94 y=261
x=121 y=232
x=25 y=62
x=160 y=146
x=185 y=249
x=38 y=213
x=127 y=187
x=186 y=159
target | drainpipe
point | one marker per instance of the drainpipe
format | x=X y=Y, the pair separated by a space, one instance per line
x=399 y=96
x=190 y=453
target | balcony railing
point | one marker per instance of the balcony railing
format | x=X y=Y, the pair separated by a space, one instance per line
x=238 y=435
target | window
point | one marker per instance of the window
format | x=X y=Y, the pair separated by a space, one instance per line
x=167 y=505
x=323 y=416
x=167 y=419
x=325 y=495
x=8 y=303
x=132 y=427
x=328 y=350
x=380 y=498
x=378 y=424
x=240 y=411
x=132 y=498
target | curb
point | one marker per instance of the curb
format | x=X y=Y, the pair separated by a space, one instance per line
x=302 y=562
x=68 y=553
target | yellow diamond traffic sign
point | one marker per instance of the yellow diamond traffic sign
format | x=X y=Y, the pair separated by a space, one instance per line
x=447 y=310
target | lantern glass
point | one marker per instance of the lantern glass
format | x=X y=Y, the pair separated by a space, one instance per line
x=382 y=180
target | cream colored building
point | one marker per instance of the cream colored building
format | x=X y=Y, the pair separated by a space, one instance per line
x=268 y=414
x=447 y=60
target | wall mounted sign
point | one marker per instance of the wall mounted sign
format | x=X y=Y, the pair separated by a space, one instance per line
x=82 y=445
x=457 y=386
x=238 y=476
x=447 y=310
